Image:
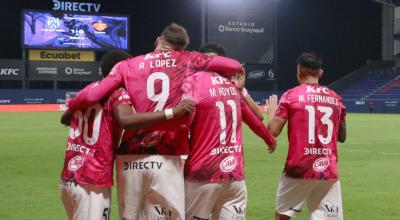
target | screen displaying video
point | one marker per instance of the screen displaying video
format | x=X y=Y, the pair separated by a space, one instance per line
x=64 y=30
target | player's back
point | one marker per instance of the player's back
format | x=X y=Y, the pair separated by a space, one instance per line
x=216 y=132
x=92 y=142
x=314 y=113
x=154 y=83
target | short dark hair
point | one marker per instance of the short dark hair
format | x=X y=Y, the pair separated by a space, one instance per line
x=109 y=59
x=310 y=60
x=176 y=35
x=213 y=48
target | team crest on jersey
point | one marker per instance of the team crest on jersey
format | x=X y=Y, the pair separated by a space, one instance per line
x=75 y=163
x=321 y=164
x=228 y=164
x=151 y=139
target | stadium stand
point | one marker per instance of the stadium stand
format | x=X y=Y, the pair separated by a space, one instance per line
x=377 y=82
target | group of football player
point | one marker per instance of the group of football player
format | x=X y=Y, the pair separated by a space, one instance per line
x=171 y=121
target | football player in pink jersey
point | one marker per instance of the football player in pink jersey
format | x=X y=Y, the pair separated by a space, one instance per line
x=95 y=133
x=149 y=168
x=316 y=122
x=214 y=170
x=214 y=49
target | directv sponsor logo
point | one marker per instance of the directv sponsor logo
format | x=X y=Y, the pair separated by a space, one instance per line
x=317 y=151
x=80 y=148
x=9 y=72
x=226 y=150
x=140 y=165
x=76 y=6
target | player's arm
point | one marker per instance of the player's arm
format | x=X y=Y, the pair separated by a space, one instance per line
x=66 y=118
x=275 y=123
x=258 y=127
x=225 y=66
x=239 y=81
x=252 y=104
x=128 y=119
x=97 y=92
x=342 y=124
x=342 y=131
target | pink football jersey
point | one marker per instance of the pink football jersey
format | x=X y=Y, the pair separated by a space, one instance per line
x=154 y=82
x=314 y=113
x=92 y=141
x=216 y=133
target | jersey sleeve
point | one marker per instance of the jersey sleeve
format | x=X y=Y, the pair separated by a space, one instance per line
x=226 y=67
x=188 y=88
x=122 y=98
x=99 y=91
x=200 y=61
x=256 y=124
x=283 y=108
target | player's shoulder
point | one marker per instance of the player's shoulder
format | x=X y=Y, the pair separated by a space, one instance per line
x=292 y=91
x=117 y=95
x=192 y=54
x=205 y=74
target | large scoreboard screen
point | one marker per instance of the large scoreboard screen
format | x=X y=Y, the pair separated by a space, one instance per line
x=65 y=30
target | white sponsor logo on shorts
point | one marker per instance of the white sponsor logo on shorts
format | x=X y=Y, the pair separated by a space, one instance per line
x=228 y=164
x=75 y=163
x=321 y=164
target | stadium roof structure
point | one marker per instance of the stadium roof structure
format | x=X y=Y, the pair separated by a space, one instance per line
x=391 y=3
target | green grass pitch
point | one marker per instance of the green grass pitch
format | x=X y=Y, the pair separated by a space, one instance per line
x=32 y=149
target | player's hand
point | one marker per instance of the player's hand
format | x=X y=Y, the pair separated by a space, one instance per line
x=271 y=148
x=272 y=105
x=185 y=107
x=239 y=80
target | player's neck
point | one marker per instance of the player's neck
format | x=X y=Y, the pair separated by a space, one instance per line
x=164 y=47
x=309 y=80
